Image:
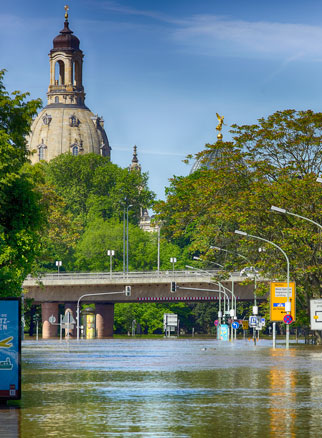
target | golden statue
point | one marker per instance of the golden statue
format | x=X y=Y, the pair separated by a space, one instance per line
x=219 y=126
x=66 y=12
x=221 y=122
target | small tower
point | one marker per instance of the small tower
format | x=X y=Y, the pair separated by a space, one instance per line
x=66 y=68
x=135 y=162
x=145 y=220
x=66 y=124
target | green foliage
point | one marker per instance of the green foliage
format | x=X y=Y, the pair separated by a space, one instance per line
x=149 y=316
x=21 y=214
x=91 y=187
x=275 y=162
x=101 y=235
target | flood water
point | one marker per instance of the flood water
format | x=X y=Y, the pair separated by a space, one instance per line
x=169 y=388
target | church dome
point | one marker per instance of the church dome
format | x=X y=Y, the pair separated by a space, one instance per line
x=66 y=125
x=74 y=129
x=66 y=40
x=206 y=162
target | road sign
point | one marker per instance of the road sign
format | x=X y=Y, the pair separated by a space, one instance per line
x=288 y=319
x=263 y=322
x=235 y=325
x=316 y=314
x=67 y=319
x=252 y=321
x=278 y=299
x=245 y=325
x=52 y=319
x=216 y=322
x=170 y=319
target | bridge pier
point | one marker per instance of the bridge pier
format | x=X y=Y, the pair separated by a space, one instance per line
x=104 y=320
x=49 y=330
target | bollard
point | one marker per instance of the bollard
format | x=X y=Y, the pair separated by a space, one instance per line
x=274 y=334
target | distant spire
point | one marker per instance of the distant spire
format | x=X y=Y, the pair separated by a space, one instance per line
x=66 y=12
x=135 y=162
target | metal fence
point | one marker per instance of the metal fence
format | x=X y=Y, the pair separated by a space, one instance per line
x=171 y=275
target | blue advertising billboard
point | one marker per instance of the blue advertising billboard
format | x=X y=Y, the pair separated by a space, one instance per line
x=10 y=348
x=224 y=332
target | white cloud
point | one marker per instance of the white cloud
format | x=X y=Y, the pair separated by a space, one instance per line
x=213 y=35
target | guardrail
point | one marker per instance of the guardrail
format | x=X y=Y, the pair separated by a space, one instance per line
x=171 y=275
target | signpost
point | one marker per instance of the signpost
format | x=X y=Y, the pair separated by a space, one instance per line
x=316 y=314
x=170 y=323
x=278 y=301
x=288 y=319
x=10 y=349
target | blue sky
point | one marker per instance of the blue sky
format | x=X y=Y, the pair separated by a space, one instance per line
x=159 y=71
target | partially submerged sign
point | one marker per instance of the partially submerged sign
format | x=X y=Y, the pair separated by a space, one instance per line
x=316 y=314
x=10 y=349
x=279 y=298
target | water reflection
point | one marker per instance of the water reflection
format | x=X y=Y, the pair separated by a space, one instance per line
x=283 y=400
x=9 y=422
x=169 y=388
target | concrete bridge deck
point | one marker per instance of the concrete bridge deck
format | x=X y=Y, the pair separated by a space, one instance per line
x=50 y=290
x=146 y=286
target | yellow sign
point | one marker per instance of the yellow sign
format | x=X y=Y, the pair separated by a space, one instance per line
x=245 y=325
x=90 y=326
x=278 y=300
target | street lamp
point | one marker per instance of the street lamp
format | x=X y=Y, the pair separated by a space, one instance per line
x=282 y=210
x=127 y=293
x=58 y=264
x=222 y=289
x=213 y=263
x=287 y=304
x=127 y=238
x=110 y=253
x=173 y=260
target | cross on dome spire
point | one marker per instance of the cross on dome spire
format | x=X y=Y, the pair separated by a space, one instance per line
x=66 y=7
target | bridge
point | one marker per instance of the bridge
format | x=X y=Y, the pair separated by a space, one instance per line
x=52 y=289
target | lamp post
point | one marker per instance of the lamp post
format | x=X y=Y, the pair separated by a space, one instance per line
x=173 y=260
x=110 y=253
x=213 y=263
x=282 y=210
x=127 y=292
x=159 y=230
x=58 y=264
x=127 y=238
x=124 y=241
x=221 y=286
x=287 y=304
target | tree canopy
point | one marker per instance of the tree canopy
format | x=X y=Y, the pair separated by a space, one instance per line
x=274 y=162
x=21 y=212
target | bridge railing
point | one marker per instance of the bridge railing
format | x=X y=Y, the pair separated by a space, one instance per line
x=171 y=275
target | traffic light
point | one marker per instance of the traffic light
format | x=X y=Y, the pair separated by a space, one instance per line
x=173 y=287
x=127 y=291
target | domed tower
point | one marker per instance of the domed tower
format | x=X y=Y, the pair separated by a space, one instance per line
x=66 y=124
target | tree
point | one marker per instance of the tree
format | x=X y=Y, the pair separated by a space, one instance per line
x=21 y=213
x=101 y=235
x=272 y=163
x=91 y=186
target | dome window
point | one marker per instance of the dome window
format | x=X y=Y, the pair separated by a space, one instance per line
x=46 y=119
x=73 y=121
x=75 y=150
x=41 y=150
